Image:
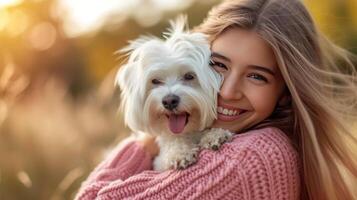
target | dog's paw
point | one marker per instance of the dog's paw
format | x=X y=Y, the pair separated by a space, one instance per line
x=184 y=160
x=214 y=138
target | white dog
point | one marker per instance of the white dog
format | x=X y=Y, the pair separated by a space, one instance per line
x=170 y=91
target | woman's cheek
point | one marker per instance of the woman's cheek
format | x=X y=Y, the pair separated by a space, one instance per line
x=263 y=101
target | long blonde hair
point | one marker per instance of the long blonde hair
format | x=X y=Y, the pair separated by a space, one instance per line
x=321 y=81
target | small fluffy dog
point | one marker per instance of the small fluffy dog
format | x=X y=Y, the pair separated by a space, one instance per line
x=170 y=91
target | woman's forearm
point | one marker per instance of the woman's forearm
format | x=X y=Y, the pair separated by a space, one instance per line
x=122 y=163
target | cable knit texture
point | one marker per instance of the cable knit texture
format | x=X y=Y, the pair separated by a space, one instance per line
x=259 y=164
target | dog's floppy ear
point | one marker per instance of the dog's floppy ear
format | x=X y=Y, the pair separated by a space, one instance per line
x=129 y=74
x=126 y=80
x=125 y=77
x=130 y=82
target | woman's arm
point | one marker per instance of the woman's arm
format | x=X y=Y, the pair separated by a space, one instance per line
x=129 y=158
x=260 y=164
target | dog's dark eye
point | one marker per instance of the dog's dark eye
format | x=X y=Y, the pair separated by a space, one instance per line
x=189 y=76
x=156 y=81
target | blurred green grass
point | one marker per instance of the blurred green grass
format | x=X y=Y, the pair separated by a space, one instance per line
x=58 y=103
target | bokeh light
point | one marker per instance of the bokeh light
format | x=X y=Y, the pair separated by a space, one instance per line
x=42 y=36
x=19 y=23
x=80 y=19
x=82 y=16
x=4 y=19
x=9 y=3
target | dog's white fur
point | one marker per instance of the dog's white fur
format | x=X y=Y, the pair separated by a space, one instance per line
x=168 y=61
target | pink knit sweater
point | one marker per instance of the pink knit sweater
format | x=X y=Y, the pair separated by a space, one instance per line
x=259 y=164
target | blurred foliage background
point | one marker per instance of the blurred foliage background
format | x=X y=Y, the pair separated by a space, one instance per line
x=58 y=103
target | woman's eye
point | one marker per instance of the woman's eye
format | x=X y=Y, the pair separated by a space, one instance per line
x=189 y=76
x=156 y=81
x=258 y=77
x=217 y=64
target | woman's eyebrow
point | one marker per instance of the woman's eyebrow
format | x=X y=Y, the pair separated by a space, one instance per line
x=217 y=55
x=264 y=69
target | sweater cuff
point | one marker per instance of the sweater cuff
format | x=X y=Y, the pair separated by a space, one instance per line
x=130 y=160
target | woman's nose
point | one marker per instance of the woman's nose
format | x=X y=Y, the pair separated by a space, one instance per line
x=230 y=89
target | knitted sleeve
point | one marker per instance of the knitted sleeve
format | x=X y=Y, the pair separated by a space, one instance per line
x=125 y=160
x=260 y=164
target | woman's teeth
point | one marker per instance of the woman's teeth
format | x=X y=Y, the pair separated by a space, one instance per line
x=229 y=112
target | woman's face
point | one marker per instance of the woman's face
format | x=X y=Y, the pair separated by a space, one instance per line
x=252 y=81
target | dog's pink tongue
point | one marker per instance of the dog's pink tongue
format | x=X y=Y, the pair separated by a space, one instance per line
x=177 y=122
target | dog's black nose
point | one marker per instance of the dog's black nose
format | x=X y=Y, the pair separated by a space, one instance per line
x=171 y=101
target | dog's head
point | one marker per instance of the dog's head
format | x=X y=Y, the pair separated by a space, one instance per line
x=167 y=85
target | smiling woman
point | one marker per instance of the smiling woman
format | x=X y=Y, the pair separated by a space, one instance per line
x=311 y=93
x=252 y=82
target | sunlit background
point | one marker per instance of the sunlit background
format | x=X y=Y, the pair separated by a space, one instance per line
x=58 y=104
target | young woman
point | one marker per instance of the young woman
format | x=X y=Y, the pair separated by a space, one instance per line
x=296 y=95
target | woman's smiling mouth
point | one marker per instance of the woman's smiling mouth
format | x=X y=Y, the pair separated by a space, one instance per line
x=228 y=114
